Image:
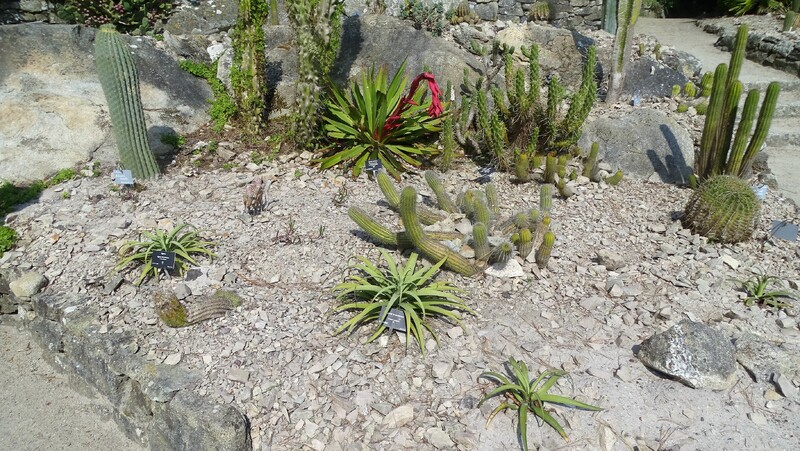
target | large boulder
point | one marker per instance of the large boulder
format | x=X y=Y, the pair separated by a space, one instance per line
x=647 y=78
x=693 y=353
x=53 y=113
x=644 y=143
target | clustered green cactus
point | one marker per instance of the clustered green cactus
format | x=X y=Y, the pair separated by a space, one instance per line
x=248 y=72
x=120 y=81
x=539 y=11
x=524 y=231
x=724 y=208
x=520 y=117
x=722 y=152
x=318 y=27
x=463 y=14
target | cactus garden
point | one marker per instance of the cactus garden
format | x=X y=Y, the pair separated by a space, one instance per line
x=407 y=255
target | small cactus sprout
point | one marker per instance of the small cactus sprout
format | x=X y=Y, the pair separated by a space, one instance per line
x=724 y=208
x=682 y=108
x=676 y=91
x=536 y=161
x=546 y=198
x=467 y=203
x=524 y=242
x=480 y=241
x=573 y=175
x=550 y=169
x=706 y=83
x=591 y=160
x=482 y=213
x=503 y=252
x=535 y=218
x=521 y=220
x=690 y=90
x=563 y=189
x=614 y=179
x=491 y=198
x=642 y=49
x=561 y=168
x=522 y=166
x=701 y=108
x=545 y=249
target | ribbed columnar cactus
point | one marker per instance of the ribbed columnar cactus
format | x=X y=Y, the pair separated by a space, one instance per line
x=249 y=72
x=492 y=200
x=609 y=20
x=120 y=81
x=480 y=241
x=524 y=242
x=720 y=151
x=318 y=27
x=550 y=164
x=545 y=249
x=442 y=198
x=790 y=21
x=591 y=161
x=546 y=199
x=429 y=248
x=426 y=216
x=522 y=166
x=724 y=208
x=627 y=15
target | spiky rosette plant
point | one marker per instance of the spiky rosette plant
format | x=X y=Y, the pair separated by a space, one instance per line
x=724 y=208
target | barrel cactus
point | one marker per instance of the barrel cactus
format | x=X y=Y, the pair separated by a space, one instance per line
x=120 y=81
x=724 y=208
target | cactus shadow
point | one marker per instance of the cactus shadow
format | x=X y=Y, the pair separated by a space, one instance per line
x=164 y=153
x=673 y=168
x=352 y=42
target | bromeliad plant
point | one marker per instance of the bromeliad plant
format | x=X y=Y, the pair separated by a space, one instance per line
x=375 y=121
x=375 y=292
x=184 y=245
x=757 y=289
x=525 y=396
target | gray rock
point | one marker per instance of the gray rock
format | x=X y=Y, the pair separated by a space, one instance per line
x=438 y=438
x=54 y=111
x=400 y=416
x=785 y=386
x=182 y=291
x=642 y=143
x=611 y=260
x=763 y=359
x=27 y=284
x=649 y=78
x=683 y=62
x=693 y=353
x=204 y=19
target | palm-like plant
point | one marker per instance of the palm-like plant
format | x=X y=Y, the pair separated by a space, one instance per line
x=374 y=121
x=375 y=292
x=525 y=396
x=757 y=289
x=184 y=245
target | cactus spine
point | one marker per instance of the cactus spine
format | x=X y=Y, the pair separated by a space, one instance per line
x=432 y=250
x=545 y=249
x=724 y=208
x=720 y=152
x=627 y=15
x=120 y=81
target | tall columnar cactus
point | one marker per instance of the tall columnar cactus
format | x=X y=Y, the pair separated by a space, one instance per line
x=722 y=152
x=545 y=249
x=522 y=166
x=627 y=15
x=609 y=20
x=120 y=81
x=480 y=241
x=550 y=164
x=546 y=199
x=429 y=248
x=724 y=208
x=248 y=72
x=318 y=27
x=524 y=242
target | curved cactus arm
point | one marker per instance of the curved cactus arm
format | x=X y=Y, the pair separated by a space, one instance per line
x=736 y=157
x=442 y=198
x=762 y=126
x=704 y=160
x=431 y=249
x=367 y=223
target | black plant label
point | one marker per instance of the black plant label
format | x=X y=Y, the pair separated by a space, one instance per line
x=395 y=319
x=373 y=165
x=163 y=259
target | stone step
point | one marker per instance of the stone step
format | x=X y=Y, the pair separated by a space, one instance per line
x=761 y=85
x=788 y=103
x=784 y=131
x=784 y=162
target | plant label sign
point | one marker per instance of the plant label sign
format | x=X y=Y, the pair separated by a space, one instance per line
x=163 y=259
x=122 y=177
x=373 y=166
x=395 y=319
x=784 y=230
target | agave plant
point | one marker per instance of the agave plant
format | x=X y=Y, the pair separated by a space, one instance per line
x=375 y=121
x=184 y=245
x=376 y=292
x=757 y=289
x=525 y=396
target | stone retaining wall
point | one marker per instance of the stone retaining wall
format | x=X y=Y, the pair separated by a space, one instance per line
x=779 y=50
x=153 y=403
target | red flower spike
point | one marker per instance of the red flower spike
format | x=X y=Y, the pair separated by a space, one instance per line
x=435 y=110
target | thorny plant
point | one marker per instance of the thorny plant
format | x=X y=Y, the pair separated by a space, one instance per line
x=525 y=396
x=757 y=289
x=375 y=292
x=183 y=244
x=289 y=235
x=340 y=198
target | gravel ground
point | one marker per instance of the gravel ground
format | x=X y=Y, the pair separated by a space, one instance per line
x=276 y=358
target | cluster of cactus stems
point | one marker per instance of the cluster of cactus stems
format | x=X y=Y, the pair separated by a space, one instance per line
x=790 y=22
x=318 y=27
x=539 y=11
x=524 y=230
x=119 y=78
x=724 y=209
x=174 y=313
x=248 y=72
x=722 y=151
x=627 y=15
x=463 y=14
x=519 y=117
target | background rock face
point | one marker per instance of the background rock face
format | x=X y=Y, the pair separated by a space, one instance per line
x=693 y=353
x=53 y=113
x=644 y=143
